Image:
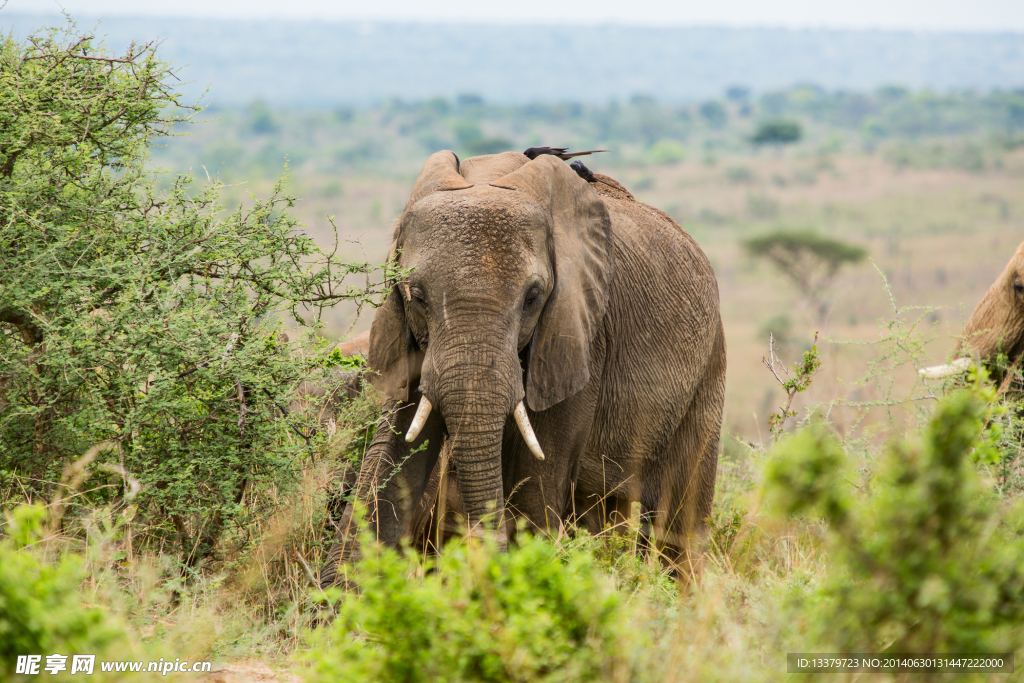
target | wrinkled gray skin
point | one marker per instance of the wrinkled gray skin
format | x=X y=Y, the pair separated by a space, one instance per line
x=598 y=310
x=344 y=384
x=997 y=324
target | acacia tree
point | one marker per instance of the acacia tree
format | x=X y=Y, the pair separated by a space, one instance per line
x=777 y=132
x=142 y=321
x=809 y=260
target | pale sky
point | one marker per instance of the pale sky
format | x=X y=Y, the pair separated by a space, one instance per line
x=926 y=15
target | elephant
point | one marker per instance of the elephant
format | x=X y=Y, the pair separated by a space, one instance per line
x=325 y=398
x=556 y=344
x=996 y=327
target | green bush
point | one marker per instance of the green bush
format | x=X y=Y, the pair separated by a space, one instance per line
x=478 y=615
x=777 y=132
x=714 y=113
x=40 y=610
x=807 y=473
x=925 y=561
x=740 y=175
x=143 y=320
x=666 y=152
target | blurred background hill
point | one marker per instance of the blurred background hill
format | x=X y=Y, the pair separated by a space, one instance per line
x=327 y=63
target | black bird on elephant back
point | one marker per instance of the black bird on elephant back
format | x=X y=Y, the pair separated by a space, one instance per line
x=557 y=345
x=994 y=334
x=562 y=153
x=582 y=171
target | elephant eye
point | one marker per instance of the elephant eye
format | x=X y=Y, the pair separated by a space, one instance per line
x=1018 y=287
x=416 y=296
x=531 y=298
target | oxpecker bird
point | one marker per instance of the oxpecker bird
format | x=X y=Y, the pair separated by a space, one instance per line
x=582 y=171
x=560 y=152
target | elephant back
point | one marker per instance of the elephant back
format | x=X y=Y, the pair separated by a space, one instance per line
x=606 y=186
x=618 y=199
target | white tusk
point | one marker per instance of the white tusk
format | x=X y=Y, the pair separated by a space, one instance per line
x=944 y=371
x=527 y=431
x=419 y=419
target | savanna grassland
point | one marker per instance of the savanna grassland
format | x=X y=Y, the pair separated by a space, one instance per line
x=167 y=496
x=937 y=200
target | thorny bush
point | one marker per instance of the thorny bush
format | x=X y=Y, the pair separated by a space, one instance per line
x=146 y=321
x=926 y=559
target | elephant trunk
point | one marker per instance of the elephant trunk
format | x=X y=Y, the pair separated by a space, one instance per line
x=475 y=391
x=476 y=452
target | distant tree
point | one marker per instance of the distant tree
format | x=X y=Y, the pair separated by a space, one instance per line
x=469 y=100
x=472 y=141
x=809 y=260
x=466 y=132
x=892 y=93
x=714 y=113
x=437 y=106
x=775 y=103
x=490 y=146
x=343 y=114
x=777 y=132
x=737 y=93
x=261 y=119
x=1015 y=114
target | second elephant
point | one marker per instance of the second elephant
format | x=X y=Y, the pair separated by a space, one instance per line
x=563 y=339
x=995 y=328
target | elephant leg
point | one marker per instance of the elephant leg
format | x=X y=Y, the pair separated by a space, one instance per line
x=421 y=531
x=543 y=491
x=680 y=491
x=597 y=512
x=392 y=479
x=619 y=513
x=440 y=515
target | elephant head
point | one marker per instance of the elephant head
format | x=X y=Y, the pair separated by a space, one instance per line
x=997 y=325
x=507 y=290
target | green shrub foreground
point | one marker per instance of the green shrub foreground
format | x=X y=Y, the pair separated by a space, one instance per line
x=927 y=559
x=41 y=612
x=923 y=558
x=913 y=553
x=533 y=613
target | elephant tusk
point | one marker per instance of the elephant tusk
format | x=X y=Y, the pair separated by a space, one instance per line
x=943 y=371
x=419 y=419
x=527 y=431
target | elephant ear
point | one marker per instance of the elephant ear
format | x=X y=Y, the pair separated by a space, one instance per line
x=439 y=174
x=390 y=353
x=395 y=362
x=580 y=228
x=488 y=167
